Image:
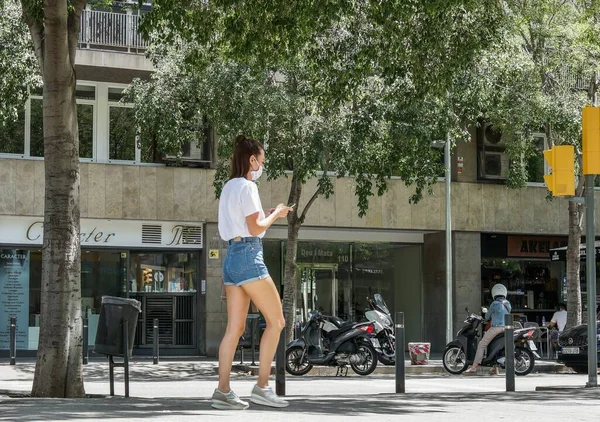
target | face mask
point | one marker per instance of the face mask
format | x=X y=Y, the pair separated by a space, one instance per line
x=257 y=173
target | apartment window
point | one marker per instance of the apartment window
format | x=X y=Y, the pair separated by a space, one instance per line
x=536 y=166
x=12 y=136
x=122 y=130
x=85 y=96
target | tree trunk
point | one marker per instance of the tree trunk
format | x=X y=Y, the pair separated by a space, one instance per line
x=573 y=265
x=289 y=283
x=58 y=371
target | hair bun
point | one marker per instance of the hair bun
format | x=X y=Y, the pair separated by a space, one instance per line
x=239 y=139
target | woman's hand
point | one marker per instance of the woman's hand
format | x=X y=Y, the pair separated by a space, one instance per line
x=282 y=210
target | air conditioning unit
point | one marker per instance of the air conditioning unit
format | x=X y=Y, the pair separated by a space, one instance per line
x=491 y=137
x=494 y=165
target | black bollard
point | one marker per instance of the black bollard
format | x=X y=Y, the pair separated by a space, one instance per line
x=280 y=366
x=155 y=342
x=252 y=340
x=126 y=355
x=13 y=340
x=85 y=341
x=509 y=347
x=400 y=369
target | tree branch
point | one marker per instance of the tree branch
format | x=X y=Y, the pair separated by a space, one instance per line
x=74 y=26
x=308 y=204
x=36 y=28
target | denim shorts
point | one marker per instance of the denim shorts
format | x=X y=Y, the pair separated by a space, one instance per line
x=244 y=262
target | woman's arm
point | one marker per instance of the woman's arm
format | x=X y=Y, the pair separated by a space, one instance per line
x=256 y=226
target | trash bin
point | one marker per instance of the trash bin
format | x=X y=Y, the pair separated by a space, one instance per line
x=109 y=337
x=419 y=353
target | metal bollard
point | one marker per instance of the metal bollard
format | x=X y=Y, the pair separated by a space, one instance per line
x=509 y=348
x=13 y=340
x=253 y=341
x=155 y=342
x=280 y=365
x=400 y=364
x=126 y=355
x=85 y=341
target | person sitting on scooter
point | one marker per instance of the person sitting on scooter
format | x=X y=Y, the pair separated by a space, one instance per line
x=499 y=307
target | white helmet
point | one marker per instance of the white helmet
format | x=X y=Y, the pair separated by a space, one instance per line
x=499 y=290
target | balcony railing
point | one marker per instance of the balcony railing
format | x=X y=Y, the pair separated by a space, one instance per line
x=111 y=31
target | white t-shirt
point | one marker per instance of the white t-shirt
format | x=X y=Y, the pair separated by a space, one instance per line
x=560 y=318
x=239 y=199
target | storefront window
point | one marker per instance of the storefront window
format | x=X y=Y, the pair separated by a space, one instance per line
x=163 y=272
x=323 y=280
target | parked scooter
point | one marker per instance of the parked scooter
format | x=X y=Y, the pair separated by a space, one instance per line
x=329 y=341
x=380 y=316
x=460 y=353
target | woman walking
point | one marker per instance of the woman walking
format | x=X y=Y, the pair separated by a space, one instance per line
x=242 y=223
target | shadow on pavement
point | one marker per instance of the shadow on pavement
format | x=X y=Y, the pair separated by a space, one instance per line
x=25 y=410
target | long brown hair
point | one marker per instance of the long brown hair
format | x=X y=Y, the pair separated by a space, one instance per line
x=243 y=150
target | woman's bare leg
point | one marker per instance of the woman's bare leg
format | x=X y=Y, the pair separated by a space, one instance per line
x=237 y=310
x=264 y=295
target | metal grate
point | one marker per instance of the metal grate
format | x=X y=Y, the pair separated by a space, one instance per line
x=160 y=307
x=151 y=234
x=184 y=320
x=192 y=235
x=184 y=333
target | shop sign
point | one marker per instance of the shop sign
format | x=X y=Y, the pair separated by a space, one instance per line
x=113 y=233
x=561 y=254
x=14 y=296
x=533 y=246
x=323 y=253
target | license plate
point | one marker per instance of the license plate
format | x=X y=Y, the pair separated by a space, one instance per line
x=375 y=342
x=570 y=350
x=532 y=345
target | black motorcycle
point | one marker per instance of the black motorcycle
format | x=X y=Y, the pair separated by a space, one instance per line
x=460 y=353
x=329 y=341
x=380 y=316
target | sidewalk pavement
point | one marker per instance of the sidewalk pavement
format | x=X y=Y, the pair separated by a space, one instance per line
x=180 y=391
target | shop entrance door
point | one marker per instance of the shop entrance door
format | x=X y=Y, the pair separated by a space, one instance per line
x=317 y=289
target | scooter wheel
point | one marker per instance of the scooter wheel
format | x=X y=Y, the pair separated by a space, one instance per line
x=370 y=362
x=455 y=360
x=524 y=361
x=293 y=366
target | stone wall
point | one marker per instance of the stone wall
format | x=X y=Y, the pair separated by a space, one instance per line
x=186 y=194
x=467 y=275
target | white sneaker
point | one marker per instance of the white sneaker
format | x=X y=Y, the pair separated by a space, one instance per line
x=267 y=397
x=227 y=401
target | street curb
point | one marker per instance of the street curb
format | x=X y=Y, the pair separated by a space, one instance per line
x=23 y=394
x=564 y=388
x=391 y=370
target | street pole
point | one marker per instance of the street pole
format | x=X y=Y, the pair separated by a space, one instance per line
x=448 y=183
x=400 y=364
x=509 y=348
x=590 y=252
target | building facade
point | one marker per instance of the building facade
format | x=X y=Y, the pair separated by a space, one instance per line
x=149 y=230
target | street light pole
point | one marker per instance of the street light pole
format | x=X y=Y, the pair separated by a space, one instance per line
x=448 y=188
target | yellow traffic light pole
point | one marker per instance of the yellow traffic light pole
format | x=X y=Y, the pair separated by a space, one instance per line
x=591 y=167
x=561 y=182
